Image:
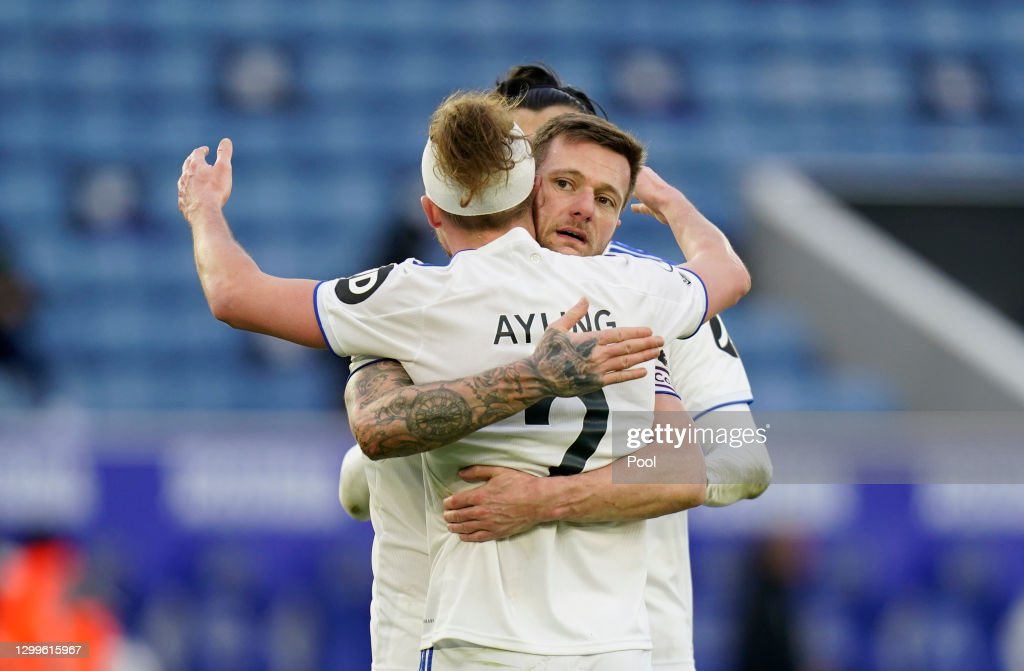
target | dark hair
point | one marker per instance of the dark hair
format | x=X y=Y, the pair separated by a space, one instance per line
x=537 y=87
x=576 y=127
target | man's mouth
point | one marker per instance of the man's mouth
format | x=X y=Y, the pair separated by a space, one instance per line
x=573 y=234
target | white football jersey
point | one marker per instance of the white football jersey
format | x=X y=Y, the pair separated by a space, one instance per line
x=489 y=307
x=707 y=373
x=400 y=567
x=398 y=558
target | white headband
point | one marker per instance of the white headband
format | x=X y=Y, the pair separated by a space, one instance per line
x=498 y=196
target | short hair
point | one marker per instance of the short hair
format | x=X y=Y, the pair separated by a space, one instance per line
x=575 y=127
x=536 y=87
x=473 y=138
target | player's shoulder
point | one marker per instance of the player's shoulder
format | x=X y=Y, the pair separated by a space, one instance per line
x=616 y=248
x=381 y=281
x=636 y=258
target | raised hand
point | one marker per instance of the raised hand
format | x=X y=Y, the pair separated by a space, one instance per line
x=655 y=195
x=202 y=184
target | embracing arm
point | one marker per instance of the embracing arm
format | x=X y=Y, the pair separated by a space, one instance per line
x=237 y=291
x=511 y=502
x=390 y=417
x=708 y=252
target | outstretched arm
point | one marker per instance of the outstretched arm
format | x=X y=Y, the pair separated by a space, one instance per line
x=391 y=418
x=511 y=502
x=708 y=252
x=237 y=291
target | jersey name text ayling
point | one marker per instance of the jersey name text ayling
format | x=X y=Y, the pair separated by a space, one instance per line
x=523 y=329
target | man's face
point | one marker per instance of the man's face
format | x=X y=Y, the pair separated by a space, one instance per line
x=583 y=187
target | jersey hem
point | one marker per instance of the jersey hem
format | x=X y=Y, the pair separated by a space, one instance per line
x=707 y=303
x=319 y=322
x=367 y=363
x=719 y=406
x=515 y=645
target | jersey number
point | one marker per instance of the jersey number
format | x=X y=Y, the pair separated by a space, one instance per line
x=718 y=330
x=595 y=425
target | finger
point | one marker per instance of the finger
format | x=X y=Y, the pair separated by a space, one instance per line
x=623 y=376
x=462 y=515
x=640 y=208
x=224 y=151
x=629 y=360
x=461 y=500
x=622 y=333
x=466 y=528
x=477 y=473
x=200 y=153
x=478 y=537
x=632 y=345
x=572 y=315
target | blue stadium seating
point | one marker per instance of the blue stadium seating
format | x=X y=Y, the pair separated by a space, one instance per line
x=136 y=84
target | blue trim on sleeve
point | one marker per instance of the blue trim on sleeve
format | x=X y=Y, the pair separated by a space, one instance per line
x=617 y=247
x=368 y=363
x=667 y=393
x=722 y=405
x=316 y=311
x=706 y=302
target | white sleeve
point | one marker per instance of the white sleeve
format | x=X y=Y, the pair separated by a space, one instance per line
x=373 y=313
x=360 y=361
x=679 y=297
x=707 y=370
x=353 y=488
x=734 y=473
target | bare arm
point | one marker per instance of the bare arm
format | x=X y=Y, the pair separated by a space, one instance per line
x=391 y=418
x=707 y=250
x=237 y=291
x=511 y=502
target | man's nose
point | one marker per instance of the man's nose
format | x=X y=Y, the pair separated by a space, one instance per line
x=583 y=206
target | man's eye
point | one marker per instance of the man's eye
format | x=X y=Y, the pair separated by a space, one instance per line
x=605 y=200
x=563 y=183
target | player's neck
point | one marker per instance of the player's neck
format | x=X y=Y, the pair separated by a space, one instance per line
x=459 y=240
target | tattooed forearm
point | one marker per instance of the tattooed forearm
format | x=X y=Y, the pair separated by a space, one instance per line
x=390 y=417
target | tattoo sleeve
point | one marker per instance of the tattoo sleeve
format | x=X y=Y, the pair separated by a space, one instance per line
x=391 y=417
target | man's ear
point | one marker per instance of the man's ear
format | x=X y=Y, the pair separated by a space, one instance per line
x=432 y=211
